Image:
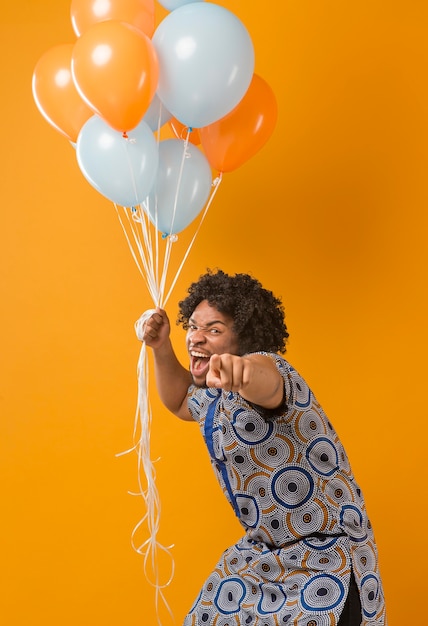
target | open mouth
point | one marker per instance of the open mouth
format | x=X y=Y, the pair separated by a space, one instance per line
x=199 y=363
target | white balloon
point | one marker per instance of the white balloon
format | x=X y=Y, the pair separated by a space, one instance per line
x=206 y=62
x=181 y=188
x=123 y=170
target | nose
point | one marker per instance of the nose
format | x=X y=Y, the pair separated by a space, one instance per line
x=196 y=335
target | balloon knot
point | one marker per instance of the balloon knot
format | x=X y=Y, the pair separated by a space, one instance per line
x=125 y=134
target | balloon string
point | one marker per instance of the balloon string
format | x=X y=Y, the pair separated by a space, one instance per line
x=142 y=218
x=127 y=142
x=141 y=250
x=185 y=155
x=151 y=549
x=216 y=184
x=149 y=267
x=159 y=120
x=143 y=238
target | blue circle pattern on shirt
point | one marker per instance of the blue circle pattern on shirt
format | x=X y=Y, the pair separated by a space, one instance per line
x=321 y=588
x=229 y=596
x=323 y=456
x=247 y=430
x=272 y=599
x=292 y=486
x=370 y=593
x=248 y=509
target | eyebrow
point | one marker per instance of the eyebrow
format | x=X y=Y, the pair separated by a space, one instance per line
x=193 y=321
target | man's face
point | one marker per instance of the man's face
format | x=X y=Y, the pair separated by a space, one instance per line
x=210 y=332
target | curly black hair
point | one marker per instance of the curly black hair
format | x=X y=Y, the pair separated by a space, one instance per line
x=258 y=316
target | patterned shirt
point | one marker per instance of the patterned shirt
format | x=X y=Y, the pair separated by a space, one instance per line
x=288 y=479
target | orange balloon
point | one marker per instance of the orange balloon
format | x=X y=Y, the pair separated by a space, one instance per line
x=138 y=13
x=55 y=93
x=115 y=70
x=181 y=131
x=235 y=138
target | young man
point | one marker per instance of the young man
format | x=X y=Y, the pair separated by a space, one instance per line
x=308 y=556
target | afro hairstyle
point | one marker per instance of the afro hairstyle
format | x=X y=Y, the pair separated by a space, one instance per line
x=258 y=316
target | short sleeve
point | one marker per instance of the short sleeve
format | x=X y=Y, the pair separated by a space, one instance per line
x=286 y=372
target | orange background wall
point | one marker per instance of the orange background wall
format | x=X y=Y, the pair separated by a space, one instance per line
x=331 y=215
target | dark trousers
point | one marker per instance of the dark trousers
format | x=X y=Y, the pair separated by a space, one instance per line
x=351 y=615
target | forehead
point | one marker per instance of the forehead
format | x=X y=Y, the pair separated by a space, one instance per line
x=204 y=314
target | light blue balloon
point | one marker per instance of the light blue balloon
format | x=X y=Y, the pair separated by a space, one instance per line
x=123 y=170
x=171 y=5
x=206 y=62
x=188 y=191
x=157 y=114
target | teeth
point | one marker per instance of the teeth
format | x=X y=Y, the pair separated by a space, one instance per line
x=198 y=354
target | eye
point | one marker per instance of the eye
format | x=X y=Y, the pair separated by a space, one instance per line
x=192 y=327
x=215 y=331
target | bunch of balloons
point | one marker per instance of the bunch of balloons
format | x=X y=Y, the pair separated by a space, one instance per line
x=111 y=91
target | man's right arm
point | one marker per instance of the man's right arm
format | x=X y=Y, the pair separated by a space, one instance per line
x=172 y=379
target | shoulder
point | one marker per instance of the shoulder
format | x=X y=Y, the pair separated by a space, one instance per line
x=279 y=361
x=296 y=389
